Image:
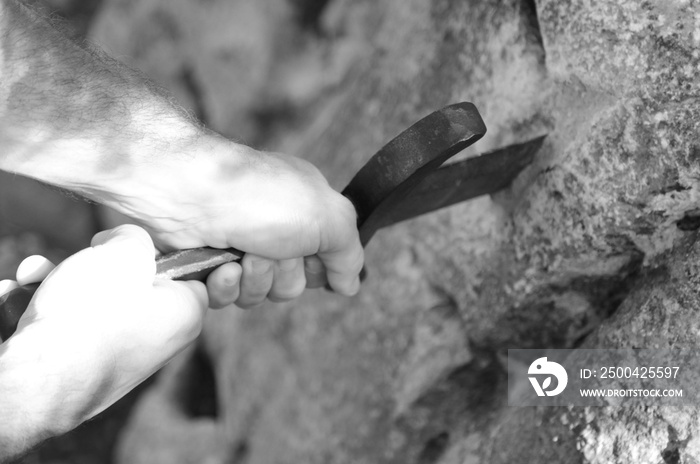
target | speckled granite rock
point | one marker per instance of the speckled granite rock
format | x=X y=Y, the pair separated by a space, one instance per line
x=412 y=370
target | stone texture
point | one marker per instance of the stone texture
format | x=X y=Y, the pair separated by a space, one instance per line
x=593 y=244
x=64 y=224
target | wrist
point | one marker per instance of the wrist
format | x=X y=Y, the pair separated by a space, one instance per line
x=175 y=191
x=97 y=161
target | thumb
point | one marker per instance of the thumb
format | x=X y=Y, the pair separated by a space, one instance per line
x=179 y=308
x=126 y=251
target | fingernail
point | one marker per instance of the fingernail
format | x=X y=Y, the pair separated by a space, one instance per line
x=261 y=265
x=288 y=264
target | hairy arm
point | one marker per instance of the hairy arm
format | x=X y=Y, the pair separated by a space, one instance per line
x=73 y=117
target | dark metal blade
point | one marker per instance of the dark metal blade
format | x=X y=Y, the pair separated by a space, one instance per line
x=402 y=164
x=458 y=182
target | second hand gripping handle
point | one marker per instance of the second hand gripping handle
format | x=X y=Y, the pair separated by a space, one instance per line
x=193 y=264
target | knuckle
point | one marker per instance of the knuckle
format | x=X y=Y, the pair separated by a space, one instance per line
x=347 y=210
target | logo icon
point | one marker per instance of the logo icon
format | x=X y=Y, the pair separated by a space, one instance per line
x=543 y=367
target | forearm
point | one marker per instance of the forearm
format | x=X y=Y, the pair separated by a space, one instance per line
x=76 y=119
x=72 y=117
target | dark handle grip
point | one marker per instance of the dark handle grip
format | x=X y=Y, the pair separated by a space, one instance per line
x=193 y=264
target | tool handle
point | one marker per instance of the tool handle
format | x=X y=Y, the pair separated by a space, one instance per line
x=193 y=264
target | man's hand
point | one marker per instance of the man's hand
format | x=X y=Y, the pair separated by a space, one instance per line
x=77 y=119
x=98 y=326
x=278 y=209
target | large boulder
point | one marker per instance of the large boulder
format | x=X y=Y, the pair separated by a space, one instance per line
x=593 y=244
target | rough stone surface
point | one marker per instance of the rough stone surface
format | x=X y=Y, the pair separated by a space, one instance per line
x=593 y=245
x=64 y=224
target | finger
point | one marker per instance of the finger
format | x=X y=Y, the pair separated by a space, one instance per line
x=315 y=272
x=343 y=267
x=223 y=285
x=129 y=251
x=178 y=311
x=33 y=269
x=256 y=280
x=129 y=233
x=289 y=280
x=102 y=237
x=7 y=285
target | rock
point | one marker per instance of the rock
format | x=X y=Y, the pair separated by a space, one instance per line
x=75 y=15
x=65 y=223
x=214 y=56
x=593 y=244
